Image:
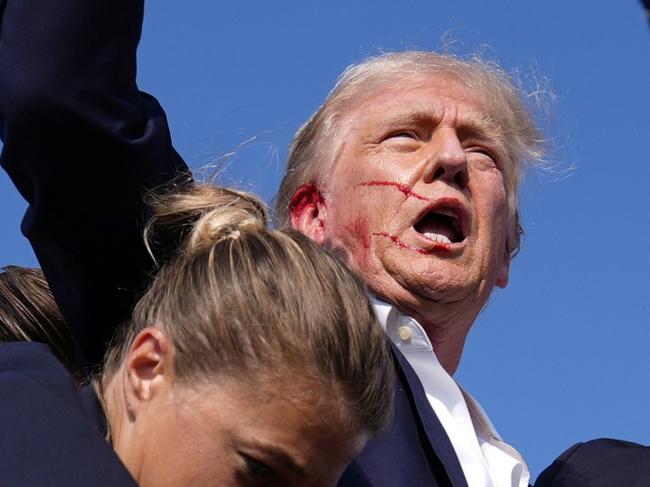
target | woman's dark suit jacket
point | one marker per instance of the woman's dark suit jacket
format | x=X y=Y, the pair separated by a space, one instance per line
x=52 y=433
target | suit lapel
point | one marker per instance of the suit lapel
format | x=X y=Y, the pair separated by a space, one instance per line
x=435 y=433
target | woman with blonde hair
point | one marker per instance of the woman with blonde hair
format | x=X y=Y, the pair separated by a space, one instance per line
x=254 y=358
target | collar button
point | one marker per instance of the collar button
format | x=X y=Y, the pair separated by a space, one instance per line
x=405 y=333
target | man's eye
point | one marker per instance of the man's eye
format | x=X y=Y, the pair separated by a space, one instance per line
x=405 y=134
x=483 y=158
x=257 y=470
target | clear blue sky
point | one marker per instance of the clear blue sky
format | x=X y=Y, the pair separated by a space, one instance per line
x=559 y=356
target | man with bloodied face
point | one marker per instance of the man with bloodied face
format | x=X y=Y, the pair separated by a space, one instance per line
x=409 y=172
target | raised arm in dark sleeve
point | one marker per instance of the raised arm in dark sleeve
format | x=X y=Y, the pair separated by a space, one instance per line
x=82 y=145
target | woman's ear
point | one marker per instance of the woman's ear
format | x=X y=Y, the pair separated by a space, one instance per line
x=148 y=368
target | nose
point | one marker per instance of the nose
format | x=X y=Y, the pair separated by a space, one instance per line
x=447 y=159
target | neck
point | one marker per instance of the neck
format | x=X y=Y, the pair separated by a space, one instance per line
x=106 y=390
x=448 y=348
x=117 y=419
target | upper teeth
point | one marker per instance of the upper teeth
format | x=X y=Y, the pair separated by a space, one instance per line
x=434 y=237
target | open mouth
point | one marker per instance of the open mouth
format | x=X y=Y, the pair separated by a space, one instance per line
x=442 y=225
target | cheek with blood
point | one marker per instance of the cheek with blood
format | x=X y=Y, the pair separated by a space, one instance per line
x=360 y=228
x=401 y=187
x=409 y=193
x=352 y=243
x=438 y=247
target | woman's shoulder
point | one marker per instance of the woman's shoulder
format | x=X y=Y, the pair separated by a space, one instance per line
x=32 y=377
x=29 y=358
x=46 y=434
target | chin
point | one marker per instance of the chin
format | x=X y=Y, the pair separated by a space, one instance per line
x=440 y=282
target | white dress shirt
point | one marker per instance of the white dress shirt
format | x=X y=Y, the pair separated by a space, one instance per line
x=486 y=460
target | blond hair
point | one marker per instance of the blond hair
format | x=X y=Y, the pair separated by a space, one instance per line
x=239 y=298
x=316 y=143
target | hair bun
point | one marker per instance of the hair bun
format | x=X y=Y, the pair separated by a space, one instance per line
x=200 y=215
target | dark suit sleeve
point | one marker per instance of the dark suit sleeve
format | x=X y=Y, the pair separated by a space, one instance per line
x=82 y=144
x=599 y=463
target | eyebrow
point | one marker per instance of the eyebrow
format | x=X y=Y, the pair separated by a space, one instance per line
x=478 y=124
x=412 y=112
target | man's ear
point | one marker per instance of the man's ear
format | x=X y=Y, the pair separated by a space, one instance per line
x=308 y=212
x=504 y=271
x=148 y=368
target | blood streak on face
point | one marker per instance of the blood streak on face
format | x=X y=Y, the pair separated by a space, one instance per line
x=360 y=227
x=406 y=190
x=400 y=186
x=399 y=243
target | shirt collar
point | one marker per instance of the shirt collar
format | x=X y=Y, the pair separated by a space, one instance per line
x=409 y=336
x=405 y=332
x=485 y=458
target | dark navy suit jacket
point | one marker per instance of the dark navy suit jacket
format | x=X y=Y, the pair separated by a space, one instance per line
x=599 y=463
x=51 y=432
x=83 y=145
